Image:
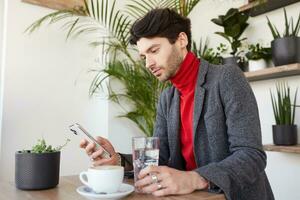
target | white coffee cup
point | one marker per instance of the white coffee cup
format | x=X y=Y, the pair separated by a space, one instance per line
x=103 y=179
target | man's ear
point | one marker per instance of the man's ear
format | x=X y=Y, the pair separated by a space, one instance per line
x=182 y=40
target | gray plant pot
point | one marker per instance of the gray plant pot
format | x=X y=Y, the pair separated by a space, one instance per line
x=285 y=134
x=285 y=50
x=36 y=171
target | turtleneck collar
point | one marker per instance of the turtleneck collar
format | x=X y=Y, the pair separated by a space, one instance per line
x=186 y=77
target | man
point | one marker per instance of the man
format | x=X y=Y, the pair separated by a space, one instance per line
x=207 y=122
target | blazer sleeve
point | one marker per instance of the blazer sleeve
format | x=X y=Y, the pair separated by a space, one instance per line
x=247 y=159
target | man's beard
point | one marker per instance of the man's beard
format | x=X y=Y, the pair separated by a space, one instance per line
x=173 y=63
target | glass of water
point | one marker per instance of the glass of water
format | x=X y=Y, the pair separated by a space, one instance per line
x=145 y=152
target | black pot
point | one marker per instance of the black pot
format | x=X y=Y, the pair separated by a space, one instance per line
x=234 y=60
x=285 y=134
x=35 y=171
x=286 y=50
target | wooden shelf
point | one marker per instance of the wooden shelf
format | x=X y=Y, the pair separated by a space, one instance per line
x=57 y=4
x=274 y=72
x=262 y=6
x=286 y=149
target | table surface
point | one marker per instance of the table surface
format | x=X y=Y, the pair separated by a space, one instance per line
x=66 y=190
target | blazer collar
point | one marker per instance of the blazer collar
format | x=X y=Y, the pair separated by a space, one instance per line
x=202 y=73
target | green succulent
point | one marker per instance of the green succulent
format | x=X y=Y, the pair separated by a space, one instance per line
x=290 y=28
x=283 y=106
x=42 y=147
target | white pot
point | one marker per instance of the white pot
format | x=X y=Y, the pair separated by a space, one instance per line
x=257 y=64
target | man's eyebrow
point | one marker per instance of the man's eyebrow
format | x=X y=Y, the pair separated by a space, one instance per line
x=153 y=45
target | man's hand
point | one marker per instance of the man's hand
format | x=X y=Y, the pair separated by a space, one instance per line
x=95 y=154
x=170 y=181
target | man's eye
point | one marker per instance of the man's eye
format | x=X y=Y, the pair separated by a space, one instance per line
x=143 y=57
x=154 y=50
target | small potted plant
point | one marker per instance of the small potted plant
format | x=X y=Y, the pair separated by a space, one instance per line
x=234 y=24
x=285 y=131
x=258 y=56
x=286 y=47
x=38 y=168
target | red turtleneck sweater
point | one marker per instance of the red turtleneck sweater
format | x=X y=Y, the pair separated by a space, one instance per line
x=185 y=81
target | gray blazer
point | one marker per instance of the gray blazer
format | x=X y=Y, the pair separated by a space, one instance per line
x=226 y=133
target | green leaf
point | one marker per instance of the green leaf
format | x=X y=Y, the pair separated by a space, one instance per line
x=218 y=21
x=224 y=35
x=274 y=33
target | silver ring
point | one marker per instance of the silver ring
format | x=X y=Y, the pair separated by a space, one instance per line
x=159 y=186
x=154 y=178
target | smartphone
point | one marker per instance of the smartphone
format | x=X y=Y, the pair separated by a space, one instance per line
x=77 y=129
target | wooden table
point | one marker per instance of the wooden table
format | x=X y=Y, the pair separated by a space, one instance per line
x=66 y=190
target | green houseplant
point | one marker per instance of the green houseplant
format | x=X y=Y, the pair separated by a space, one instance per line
x=234 y=23
x=101 y=16
x=285 y=131
x=203 y=51
x=38 y=168
x=258 y=56
x=286 y=46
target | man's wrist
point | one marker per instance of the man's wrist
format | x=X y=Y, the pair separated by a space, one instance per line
x=199 y=183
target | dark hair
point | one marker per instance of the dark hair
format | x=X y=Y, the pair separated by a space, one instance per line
x=161 y=23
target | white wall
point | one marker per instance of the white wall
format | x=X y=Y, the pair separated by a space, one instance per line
x=2 y=14
x=46 y=89
x=282 y=168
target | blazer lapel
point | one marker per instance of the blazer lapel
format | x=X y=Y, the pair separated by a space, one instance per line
x=176 y=159
x=199 y=95
x=174 y=117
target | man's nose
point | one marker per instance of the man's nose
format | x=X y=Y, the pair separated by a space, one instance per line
x=149 y=63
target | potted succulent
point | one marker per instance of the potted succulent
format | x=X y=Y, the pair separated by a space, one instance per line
x=234 y=24
x=258 y=56
x=285 y=131
x=286 y=47
x=38 y=168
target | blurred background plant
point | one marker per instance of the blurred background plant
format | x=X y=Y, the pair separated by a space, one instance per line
x=42 y=147
x=109 y=28
x=291 y=29
x=209 y=54
x=234 y=23
x=256 y=52
x=283 y=105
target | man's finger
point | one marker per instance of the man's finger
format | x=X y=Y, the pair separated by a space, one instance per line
x=151 y=188
x=83 y=143
x=90 y=148
x=101 y=140
x=161 y=192
x=103 y=161
x=97 y=153
x=148 y=170
x=148 y=180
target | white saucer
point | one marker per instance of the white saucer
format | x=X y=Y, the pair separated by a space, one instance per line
x=124 y=190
